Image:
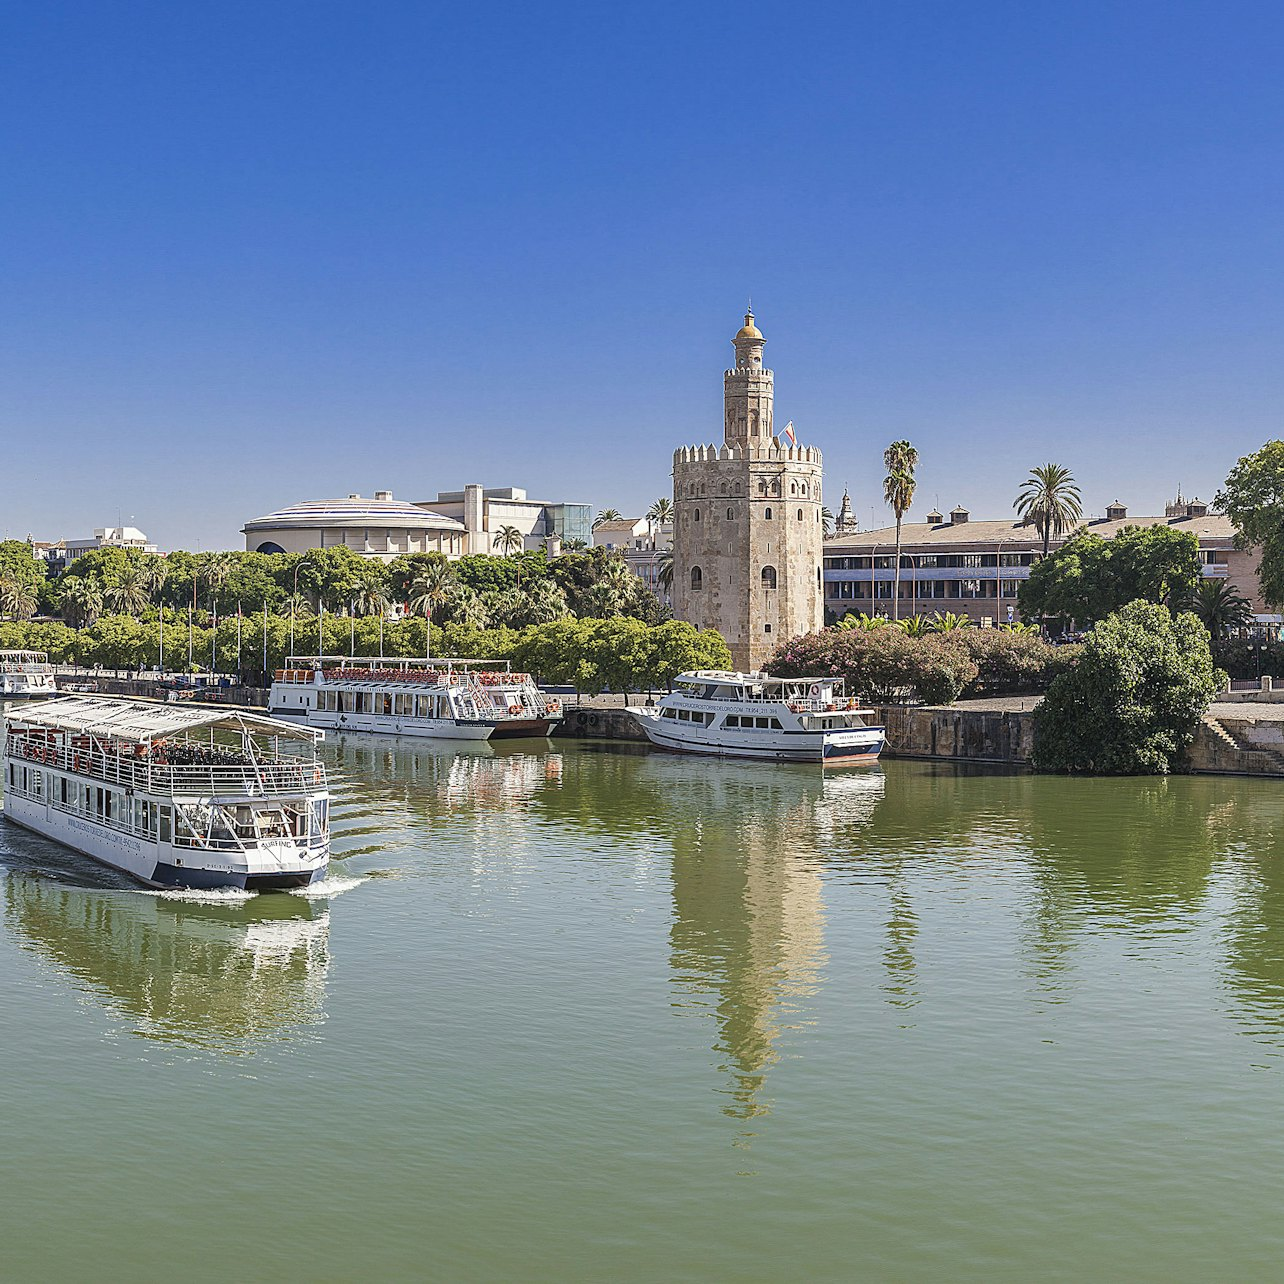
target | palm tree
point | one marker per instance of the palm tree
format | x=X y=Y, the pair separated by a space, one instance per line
x=155 y=573
x=914 y=626
x=827 y=521
x=82 y=601
x=949 y=622
x=470 y=610
x=130 y=594
x=216 y=571
x=431 y=588
x=867 y=623
x=545 y=602
x=607 y=515
x=661 y=512
x=371 y=599
x=297 y=603
x=574 y=545
x=509 y=540
x=1049 y=501
x=664 y=570
x=900 y=459
x=18 y=599
x=1220 y=606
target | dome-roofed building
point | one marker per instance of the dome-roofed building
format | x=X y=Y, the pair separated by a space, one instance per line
x=381 y=527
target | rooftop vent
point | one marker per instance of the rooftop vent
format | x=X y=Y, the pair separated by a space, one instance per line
x=1116 y=512
x=383 y=494
x=958 y=515
x=354 y=496
x=934 y=518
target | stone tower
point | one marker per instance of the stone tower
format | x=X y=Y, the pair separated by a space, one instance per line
x=748 y=535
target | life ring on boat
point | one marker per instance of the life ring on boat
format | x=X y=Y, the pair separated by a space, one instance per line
x=814 y=690
x=514 y=709
x=316 y=776
x=554 y=706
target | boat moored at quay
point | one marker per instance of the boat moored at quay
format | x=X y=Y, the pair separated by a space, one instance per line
x=26 y=673
x=440 y=699
x=750 y=715
x=173 y=795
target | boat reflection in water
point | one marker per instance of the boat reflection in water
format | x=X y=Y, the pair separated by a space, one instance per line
x=747 y=941
x=223 y=976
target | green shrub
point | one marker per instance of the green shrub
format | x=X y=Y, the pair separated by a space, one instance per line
x=1131 y=703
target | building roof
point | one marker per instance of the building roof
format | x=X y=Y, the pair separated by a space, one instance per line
x=624 y=524
x=353 y=511
x=1212 y=526
x=141 y=720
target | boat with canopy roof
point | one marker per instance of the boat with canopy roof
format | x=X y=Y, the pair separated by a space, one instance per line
x=174 y=795
x=445 y=699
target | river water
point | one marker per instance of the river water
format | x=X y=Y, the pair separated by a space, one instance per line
x=583 y=1012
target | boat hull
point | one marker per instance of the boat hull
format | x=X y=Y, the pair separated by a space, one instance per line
x=842 y=749
x=515 y=728
x=162 y=865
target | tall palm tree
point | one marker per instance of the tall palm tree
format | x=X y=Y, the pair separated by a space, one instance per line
x=130 y=594
x=371 y=599
x=155 y=573
x=431 y=588
x=664 y=570
x=18 y=599
x=661 y=512
x=509 y=540
x=216 y=570
x=1221 y=607
x=1049 y=501
x=82 y=601
x=545 y=601
x=470 y=610
x=827 y=521
x=900 y=459
x=607 y=515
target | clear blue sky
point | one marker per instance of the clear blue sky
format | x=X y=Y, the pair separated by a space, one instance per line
x=261 y=252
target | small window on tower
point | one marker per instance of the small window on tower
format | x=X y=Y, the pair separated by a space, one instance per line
x=800 y=514
x=697 y=578
x=731 y=514
x=767 y=512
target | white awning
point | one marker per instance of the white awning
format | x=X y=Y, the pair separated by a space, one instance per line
x=142 y=720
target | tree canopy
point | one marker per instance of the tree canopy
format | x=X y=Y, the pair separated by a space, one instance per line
x=1131 y=703
x=1088 y=577
x=1253 y=498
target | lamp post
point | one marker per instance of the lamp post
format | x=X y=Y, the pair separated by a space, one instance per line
x=298 y=566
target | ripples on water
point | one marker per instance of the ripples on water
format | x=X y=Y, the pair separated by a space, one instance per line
x=923 y=1007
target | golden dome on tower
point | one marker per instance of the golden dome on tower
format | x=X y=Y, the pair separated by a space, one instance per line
x=748 y=330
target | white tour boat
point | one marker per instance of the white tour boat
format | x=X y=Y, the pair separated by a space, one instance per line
x=174 y=795
x=444 y=699
x=749 y=715
x=26 y=673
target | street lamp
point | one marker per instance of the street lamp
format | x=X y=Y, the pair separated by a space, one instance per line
x=298 y=566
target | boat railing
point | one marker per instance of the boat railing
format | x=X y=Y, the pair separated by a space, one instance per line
x=148 y=774
x=843 y=704
x=12 y=666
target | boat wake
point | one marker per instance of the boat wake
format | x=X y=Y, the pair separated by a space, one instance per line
x=201 y=895
x=327 y=887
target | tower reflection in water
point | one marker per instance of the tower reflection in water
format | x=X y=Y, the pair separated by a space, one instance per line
x=225 y=977
x=748 y=930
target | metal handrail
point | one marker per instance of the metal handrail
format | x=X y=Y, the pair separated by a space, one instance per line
x=163 y=778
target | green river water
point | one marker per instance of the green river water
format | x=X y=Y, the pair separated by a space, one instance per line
x=579 y=1012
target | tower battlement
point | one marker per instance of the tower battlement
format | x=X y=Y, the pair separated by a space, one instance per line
x=774 y=453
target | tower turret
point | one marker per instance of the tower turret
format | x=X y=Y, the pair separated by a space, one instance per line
x=747 y=390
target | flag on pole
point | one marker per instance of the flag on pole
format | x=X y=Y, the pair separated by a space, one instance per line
x=790 y=434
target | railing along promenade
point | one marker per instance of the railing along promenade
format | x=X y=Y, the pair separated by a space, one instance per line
x=148 y=775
